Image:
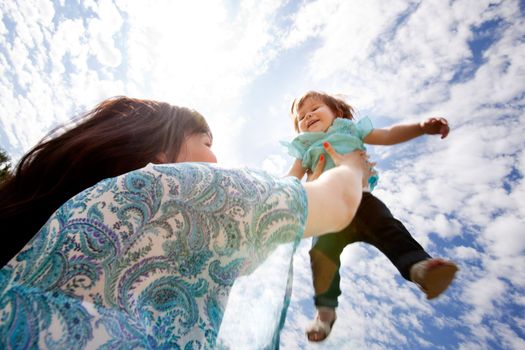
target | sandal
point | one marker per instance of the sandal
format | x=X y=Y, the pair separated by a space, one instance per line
x=320 y=327
x=433 y=276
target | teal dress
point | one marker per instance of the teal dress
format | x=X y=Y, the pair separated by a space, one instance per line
x=344 y=135
x=146 y=260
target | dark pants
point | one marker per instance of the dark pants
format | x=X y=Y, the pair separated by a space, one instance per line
x=373 y=224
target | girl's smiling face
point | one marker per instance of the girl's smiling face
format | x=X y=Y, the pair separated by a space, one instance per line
x=314 y=116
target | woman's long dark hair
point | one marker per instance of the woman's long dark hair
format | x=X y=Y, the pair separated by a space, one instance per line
x=119 y=135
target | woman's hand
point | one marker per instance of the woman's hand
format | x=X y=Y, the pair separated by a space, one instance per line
x=313 y=175
x=357 y=159
x=334 y=196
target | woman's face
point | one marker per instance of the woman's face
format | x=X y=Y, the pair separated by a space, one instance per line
x=196 y=148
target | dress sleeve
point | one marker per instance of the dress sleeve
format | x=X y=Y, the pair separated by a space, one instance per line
x=294 y=148
x=278 y=216
x=364 y=127
x=242 y=213
x=147 y=259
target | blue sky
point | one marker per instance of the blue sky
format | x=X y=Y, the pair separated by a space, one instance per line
x=242 y=63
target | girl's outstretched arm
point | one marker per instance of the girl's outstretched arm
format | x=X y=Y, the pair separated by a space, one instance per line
x=404 y=132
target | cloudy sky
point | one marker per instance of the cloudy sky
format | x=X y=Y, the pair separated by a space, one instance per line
x=241 y=63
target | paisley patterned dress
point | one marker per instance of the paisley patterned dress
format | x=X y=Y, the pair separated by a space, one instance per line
x=146 y=260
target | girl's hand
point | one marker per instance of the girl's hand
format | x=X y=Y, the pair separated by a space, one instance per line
x=434 y=126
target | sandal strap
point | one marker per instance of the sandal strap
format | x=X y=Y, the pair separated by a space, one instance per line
x=320 y=326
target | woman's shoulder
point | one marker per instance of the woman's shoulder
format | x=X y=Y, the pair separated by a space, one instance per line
x=202 y=175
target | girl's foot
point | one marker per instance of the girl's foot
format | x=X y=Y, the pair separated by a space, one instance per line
x=321 y=327
x=433 y=276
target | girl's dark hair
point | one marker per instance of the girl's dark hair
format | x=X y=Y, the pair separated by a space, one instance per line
x=338 y=106
x=119 y=135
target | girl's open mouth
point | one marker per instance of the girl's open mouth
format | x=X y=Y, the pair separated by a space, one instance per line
x=310 y=123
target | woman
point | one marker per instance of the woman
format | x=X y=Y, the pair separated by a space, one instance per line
x=114 y=252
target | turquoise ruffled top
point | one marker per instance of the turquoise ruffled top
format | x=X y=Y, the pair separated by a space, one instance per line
x=344 y=135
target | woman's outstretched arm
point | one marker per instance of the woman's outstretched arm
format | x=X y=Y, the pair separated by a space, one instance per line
x=333 y=198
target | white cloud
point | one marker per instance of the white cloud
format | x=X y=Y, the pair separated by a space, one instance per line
x=51 y=74
x=362 y=55
x=309 y=21
x=202 y=56
x=508 y=337
x=505 y=236
x=275 y=165
x=3 y=30
x=482 y=294
x=102 y=31
x=465 y=253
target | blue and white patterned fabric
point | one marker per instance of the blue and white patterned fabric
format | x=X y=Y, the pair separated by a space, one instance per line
x=344 y=135
x=146 y=260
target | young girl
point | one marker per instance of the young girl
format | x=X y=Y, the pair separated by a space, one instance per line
x=321 y=119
